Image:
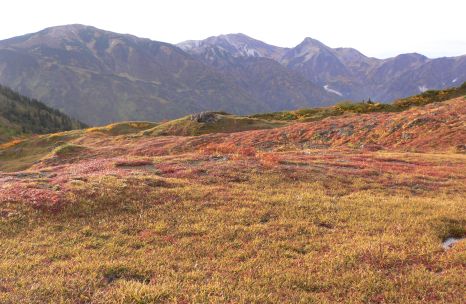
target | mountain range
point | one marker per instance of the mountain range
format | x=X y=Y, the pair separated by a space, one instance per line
x=342 y=71
x=100 y=77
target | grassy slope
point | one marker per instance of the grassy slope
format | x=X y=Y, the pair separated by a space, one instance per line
x=248 y=217
x=323 y=227
x=223 y=123
x=20 y=116
x=356 y=125
x=360 y=108
x=436 y=127
x=123 y=128
x=22 y=154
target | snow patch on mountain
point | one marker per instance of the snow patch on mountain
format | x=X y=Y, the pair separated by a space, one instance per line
x=326 y=87
x=251 y=53
x=422 y=89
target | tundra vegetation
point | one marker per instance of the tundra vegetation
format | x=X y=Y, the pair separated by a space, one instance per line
x=352 y=208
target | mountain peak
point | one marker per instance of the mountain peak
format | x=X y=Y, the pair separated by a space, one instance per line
x=310 y=47
x=308 y=41
x=79 y=31
x=67 y=29
x=235 y=35
x=412 y=56
x=235 y=44
x=306 y=50
x=73 y=26
x=409 y=59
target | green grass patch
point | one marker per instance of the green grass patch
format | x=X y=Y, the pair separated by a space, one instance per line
x=23 y=154
x=221 y=123
x=124 y=128
x=69 y=150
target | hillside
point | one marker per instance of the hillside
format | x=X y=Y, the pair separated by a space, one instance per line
x=210 y=122
x=101 y=77
x=430 y=122
x=218 y=208
x=20 y=115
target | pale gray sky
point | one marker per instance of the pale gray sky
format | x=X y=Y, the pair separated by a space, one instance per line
x=379 y=28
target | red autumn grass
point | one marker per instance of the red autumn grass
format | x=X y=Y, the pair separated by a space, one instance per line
x=303 y=213
x=269 y=159
x=227 y=149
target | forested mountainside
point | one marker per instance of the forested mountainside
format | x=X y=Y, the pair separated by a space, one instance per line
x=20 y=115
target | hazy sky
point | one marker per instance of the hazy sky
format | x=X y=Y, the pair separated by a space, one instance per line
x=379 y=28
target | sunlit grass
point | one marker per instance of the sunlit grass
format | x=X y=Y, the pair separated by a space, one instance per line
x=264 y=238
x=306 y=213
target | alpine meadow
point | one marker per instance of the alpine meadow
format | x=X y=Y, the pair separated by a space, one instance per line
x=228 y=170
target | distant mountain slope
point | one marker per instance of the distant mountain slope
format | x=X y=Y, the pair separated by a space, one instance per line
x=345 y=71
x=21 y=115
x=263 y=78
x=101 y=77
x=434 y=74
x=359 y=77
